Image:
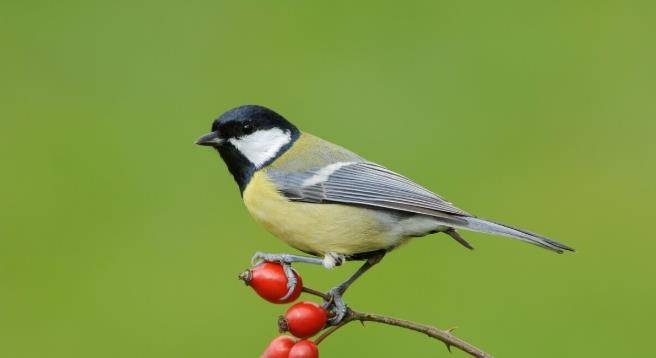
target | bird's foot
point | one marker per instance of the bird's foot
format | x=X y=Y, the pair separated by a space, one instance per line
x=335 y=305
x=285 y=260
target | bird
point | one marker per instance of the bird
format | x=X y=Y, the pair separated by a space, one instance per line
x=330 y=203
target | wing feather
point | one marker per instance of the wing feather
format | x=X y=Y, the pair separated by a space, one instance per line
x=367 y=184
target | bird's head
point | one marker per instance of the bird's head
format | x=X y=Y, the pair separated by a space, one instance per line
x=249 y=138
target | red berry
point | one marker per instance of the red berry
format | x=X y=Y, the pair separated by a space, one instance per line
x=279 y=347
x=269 y=281
x=304 y=349
x=303 y=319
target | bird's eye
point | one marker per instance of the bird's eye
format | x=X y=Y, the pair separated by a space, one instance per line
x=247 y=129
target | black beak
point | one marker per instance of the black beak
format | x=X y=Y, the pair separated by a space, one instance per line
x=210 y=139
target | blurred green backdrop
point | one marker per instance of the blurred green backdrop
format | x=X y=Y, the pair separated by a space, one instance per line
x=120 y=238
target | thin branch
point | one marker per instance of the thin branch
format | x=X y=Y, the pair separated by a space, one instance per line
x=330 y=331
x=445 y=336
x=310 y=291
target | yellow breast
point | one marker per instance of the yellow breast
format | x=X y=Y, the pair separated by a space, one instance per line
x=315 y=228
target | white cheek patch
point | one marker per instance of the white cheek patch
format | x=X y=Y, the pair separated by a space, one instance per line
x=263 y=145
x=322 y=174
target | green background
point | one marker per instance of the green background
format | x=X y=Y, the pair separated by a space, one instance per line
x=120 y=238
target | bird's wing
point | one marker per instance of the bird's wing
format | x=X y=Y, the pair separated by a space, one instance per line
x=362 y=183
x=371 y=185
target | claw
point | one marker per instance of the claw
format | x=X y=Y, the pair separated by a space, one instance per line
x=279 y=258
x=291 y=280
x=257 y=258
x=336 y=306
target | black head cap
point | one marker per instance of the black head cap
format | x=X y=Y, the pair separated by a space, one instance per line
x=244 y=120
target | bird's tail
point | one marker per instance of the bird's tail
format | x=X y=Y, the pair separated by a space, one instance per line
x=485 y=226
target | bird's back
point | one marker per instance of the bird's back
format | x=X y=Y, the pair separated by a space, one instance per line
x=310 y=152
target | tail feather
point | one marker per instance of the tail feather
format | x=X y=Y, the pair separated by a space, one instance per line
x=486 y=226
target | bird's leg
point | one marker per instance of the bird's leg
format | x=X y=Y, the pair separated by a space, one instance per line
x=339 y=308
x=285 y=260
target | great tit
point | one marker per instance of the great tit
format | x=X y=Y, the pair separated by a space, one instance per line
x=331 y=203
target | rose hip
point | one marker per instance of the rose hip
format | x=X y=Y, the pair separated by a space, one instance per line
x=279 y=347
x=269 y=281
x=303 y=319
x=304 y=349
